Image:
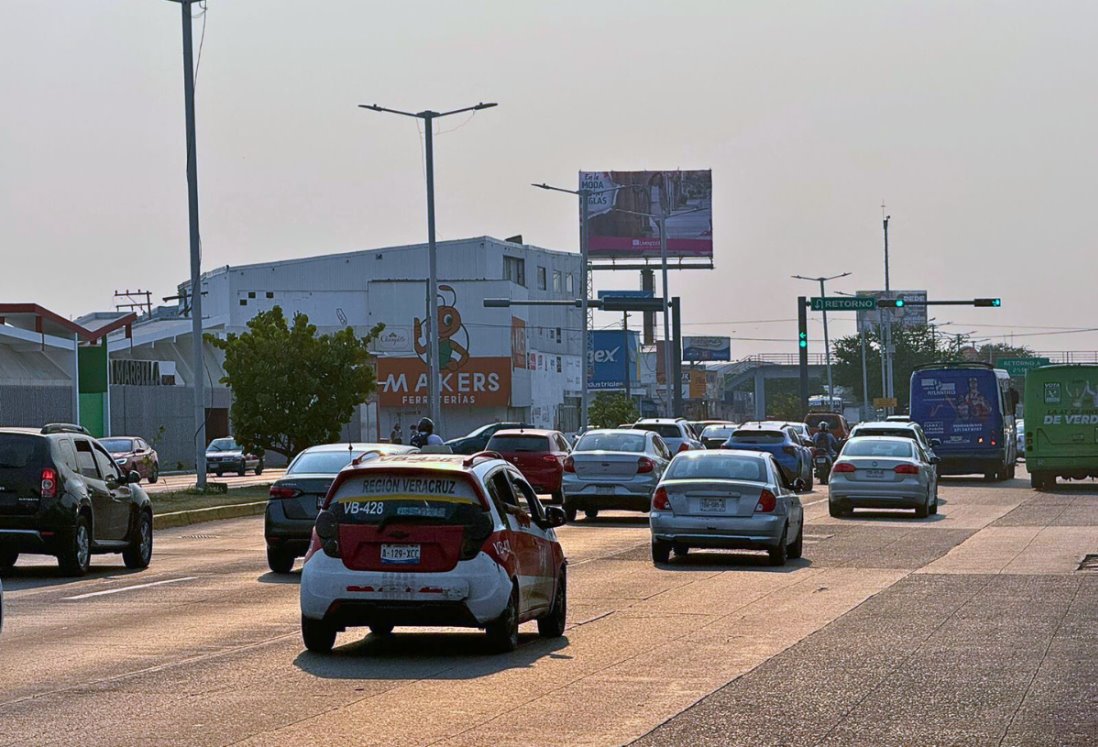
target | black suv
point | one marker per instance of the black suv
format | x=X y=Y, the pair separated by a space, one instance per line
x=62 y=494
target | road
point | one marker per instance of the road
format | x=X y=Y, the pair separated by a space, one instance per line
x=972 y=627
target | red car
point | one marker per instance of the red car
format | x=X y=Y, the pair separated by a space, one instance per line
x=539 y=455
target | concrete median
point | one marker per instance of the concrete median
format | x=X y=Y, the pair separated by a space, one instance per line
x=212 y=513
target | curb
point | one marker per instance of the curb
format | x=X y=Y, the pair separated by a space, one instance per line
x=213 y=513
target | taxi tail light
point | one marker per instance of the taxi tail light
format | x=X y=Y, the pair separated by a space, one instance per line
x=326 y=529
x=569 y=465
x=684 y=447
x=906 y=469
x=49 y=483
x=767 y=502
x=660 y=502
x=314 y=546
x=279 y=493
x=844 y=467
x=644 y=464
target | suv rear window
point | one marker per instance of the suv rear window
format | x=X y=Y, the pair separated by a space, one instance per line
x=758 y=437
x=664 y=429
x=19 y=452
x=381 y=497
x=518 y=443
x=633 y=442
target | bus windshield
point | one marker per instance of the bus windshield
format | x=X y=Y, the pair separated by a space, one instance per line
x=961 y=407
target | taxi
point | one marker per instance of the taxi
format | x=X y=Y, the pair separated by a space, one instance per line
x=433 y=540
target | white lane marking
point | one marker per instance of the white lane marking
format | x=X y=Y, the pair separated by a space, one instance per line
x=130 y=588
x=813 y=503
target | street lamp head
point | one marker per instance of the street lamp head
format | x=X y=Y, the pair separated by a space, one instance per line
x=482 y=105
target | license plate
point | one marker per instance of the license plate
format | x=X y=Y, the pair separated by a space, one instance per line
x=400 y=554
x=712 y=504
x=874 y=474
x=604 y=489
x=821 y=460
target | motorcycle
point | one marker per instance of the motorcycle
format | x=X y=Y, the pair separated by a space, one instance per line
x=822 y=461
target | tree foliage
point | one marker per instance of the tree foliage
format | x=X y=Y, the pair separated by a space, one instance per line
x=611 y=409
x=294 y=388
x=915 y=346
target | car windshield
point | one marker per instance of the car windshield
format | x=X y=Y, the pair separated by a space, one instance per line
x=758 y=437
x=666 y=430
x=223 y=444
x=715 y=466
x=384 y=498
x=322 y=462
x=611 y=442
x=117 y=445
x=513 y=444
x=893 y=449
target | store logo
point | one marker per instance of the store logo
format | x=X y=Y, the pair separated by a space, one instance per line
x=453 y=343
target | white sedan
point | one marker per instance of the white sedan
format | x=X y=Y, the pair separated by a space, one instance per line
x=883 y=472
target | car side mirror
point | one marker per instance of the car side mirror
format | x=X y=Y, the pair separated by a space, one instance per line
x=133 y=477
x=555 y=516
x=935 y=460
x=935 y=442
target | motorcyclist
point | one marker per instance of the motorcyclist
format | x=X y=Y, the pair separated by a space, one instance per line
x=826 y=441
x=425 y=435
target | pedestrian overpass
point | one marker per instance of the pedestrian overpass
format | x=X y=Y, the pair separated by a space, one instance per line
x=758 y=369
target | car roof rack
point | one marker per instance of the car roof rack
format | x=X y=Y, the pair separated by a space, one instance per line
x=64 y=428
x=481 y=456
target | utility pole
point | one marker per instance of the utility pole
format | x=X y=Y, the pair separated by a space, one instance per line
x=890 y=378
x=434 y=380
x=198 y=364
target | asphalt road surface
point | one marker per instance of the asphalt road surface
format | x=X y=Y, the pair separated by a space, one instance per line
x=974 y=627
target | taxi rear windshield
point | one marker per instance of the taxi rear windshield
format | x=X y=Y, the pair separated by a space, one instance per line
x=518 y=443
x=421 y=498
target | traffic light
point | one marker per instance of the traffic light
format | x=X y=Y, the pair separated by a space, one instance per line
x=890 y=303
x=804 y=339
x=996 y=302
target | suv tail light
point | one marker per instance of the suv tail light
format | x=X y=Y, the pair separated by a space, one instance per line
x=569 y=464
x=767 y=502
x=644 y=464
x=49 y=483
x=906 y=469
x=684 y=447
x=550 y=458
x=792 y=450
x=844 y=467
x=279 y=492
x=660 y=501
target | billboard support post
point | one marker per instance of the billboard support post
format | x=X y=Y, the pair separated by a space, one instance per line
x=585 y=344
x=666 y=300
x=676 y=325
x=628 y=357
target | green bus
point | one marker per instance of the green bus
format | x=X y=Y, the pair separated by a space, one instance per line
x=1061 y=423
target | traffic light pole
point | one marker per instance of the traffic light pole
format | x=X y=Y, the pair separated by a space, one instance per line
x=802 y=337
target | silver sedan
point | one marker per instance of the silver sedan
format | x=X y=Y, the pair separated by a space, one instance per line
x=883 y=472
x=613 y=470
x=728 y=500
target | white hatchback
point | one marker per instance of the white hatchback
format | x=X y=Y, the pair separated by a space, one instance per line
x=433 y=540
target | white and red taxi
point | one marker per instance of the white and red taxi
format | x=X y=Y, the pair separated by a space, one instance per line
x=433 y=540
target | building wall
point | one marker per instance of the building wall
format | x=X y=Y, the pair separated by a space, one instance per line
x=25 y=406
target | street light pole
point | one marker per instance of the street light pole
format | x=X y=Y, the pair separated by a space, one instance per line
x=434 y=380
x=198 y=364
x=827 y=339
x=891 y=381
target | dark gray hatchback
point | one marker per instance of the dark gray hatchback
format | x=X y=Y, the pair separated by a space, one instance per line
x=62 y=494
x=296 y=497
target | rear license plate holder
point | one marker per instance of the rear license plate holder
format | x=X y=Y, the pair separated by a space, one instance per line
x=401 y=554
x=712 y=505
x=874 y=474
x=604 y=489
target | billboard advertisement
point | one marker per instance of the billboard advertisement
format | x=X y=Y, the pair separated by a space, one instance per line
x=479 y=382
x=911 y=315
x=623 y=222
x=697 y=349
x=959 y=407
x=612 y=354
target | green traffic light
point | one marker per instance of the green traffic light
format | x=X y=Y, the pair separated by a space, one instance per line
x=899 y=303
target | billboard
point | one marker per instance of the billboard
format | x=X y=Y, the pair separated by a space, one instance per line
x=480 y=382
x=612 y=354
x=622 y=223
x=912 y=315
x=696 y=349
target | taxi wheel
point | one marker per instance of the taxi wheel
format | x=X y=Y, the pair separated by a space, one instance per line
x=552 y=624
x=503 y=631
x=319 y=636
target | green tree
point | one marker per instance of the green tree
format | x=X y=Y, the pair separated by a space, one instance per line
x=611 y=409
x=294 y=388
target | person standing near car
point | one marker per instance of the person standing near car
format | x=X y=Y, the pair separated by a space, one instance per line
x=395 y=436
x=425 y=435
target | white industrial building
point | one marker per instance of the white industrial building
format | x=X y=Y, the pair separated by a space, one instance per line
x=517 y=363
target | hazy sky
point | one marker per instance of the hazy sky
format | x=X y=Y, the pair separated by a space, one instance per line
x=974 y=121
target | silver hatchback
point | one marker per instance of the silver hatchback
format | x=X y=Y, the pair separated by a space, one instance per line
x=736 y=500
x=883 y=472
x=613 y=470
